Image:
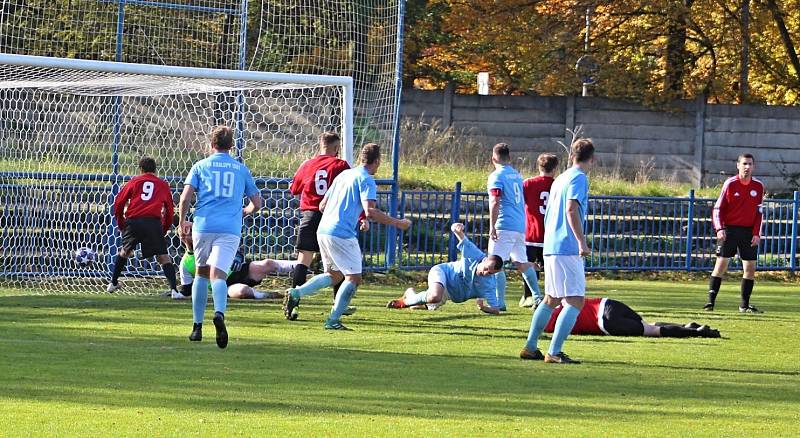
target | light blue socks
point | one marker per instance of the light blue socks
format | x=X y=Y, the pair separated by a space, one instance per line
x=199 y=298
x=343 y=297
x=419 y=298
x=313 y=285
x=500 y=277
x=532 y=281
x=564 y=324
x=538 y=322
x=219 y=291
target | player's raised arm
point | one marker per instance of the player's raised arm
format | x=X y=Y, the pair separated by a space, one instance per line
x=458 y=229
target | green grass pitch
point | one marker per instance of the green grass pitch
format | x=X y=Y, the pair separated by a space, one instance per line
x=101 y=365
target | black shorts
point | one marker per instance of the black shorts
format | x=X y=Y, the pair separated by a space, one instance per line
x=737 y=238
x=148 y=232
x=307 y=232
x=621 y=320
x=241 y=275
x=535 y=255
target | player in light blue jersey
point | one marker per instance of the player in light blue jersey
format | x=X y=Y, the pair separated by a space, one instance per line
x=470 y=277
x=507 y=223
x=564 y=247
x=220 y=183
x=352 y=193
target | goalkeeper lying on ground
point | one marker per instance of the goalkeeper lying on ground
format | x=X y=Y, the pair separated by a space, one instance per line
x=243 y=277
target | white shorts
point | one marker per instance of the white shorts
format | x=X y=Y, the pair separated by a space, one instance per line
x=215 y=249
x=436 y=275
x=509 y=244
x=563 y=276
x=342 y=255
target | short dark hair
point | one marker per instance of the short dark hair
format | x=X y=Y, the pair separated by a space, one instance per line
x=497 y=262
x=329 y=138
x=750 y=156
x=147 y=164
x=370 y=153
x=582 y=150
x=502 y=151
x=547 y=162
x=221 y=138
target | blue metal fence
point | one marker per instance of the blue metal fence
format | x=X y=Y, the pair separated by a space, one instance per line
x=625 y=233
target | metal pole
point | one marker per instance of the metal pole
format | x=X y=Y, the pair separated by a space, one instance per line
x=689 y=232
x=455 y=209
x=392 y=243
x=242 y=66
x=793 y=244
x=585 y=91
x=116 y=139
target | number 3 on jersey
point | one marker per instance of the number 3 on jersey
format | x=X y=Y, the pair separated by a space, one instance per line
x=544 y=196
x=320 y=182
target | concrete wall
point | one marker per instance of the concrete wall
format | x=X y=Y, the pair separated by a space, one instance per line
x=690 y=142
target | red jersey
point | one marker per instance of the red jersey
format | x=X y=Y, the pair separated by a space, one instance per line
x=149 y=196
x=313 y=179
x=589 y=320
x=739 y=205
x=536 y=191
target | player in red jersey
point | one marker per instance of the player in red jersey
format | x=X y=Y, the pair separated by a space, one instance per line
x=146 y=220
x=737 y=224
x=536 y=190
x=310 y=183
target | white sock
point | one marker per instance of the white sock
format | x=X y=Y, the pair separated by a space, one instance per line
x=259 y=295
x=284 y=266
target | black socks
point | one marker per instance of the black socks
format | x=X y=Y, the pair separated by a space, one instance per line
x=119 y=265
x=713 y=288
x=299 y=276
x=747 y=290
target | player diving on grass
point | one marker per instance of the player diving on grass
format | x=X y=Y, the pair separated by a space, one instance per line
x=471 y=277
x=354 y=191
x=604 y=316
x=244 y=274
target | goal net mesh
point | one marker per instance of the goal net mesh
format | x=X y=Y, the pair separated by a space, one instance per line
x=71 y=138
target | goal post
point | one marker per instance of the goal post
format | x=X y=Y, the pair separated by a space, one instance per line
x=72 y=131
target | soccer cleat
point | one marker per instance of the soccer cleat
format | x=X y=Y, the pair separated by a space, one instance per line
x=536 y=302
x=222 y=332
x=334 y=325
x=396 y=304
x=290 y=304
x=531 y=355
x=749 y=309
x=177 y=295
x=708 y=307
x=197 y=332
x=526 y=302
x=692 y=325
x=111 y=288
x=560 y=358
x=502 y=308
x=705 y=331
x=166 y=294
x=350 y=310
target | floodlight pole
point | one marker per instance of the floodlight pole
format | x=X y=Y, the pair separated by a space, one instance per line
x=585 y=91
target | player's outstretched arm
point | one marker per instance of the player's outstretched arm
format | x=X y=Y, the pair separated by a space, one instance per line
x=483 y=307
x=375 y=214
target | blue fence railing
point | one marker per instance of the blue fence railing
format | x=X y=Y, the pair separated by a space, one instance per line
x=43 y=220
x=625 y=233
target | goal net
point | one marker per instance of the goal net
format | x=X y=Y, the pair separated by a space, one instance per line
x=72 y=132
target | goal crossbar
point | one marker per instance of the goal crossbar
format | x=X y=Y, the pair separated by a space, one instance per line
x=346 y=82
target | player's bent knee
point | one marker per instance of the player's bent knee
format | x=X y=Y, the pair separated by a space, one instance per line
x=355 y=279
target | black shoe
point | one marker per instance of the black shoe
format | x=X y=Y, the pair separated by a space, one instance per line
x=560 y=358
x=707 y=332
x=692 y=325
x=222 y=332
x=709 y=307
x=526 y=354
x=197 y=332
x=290 y=304
x=749 y=309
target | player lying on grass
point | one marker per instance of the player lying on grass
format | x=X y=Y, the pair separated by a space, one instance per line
x=471 y=277
x=604 y=316
x=244 y=276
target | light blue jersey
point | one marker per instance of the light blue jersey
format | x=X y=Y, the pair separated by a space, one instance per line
x=343 y=202
x=221 y=182
x=558 y=236
x=512 y=203
x=462 y=283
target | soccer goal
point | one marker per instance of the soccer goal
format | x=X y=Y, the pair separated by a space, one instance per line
x=72 y=132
